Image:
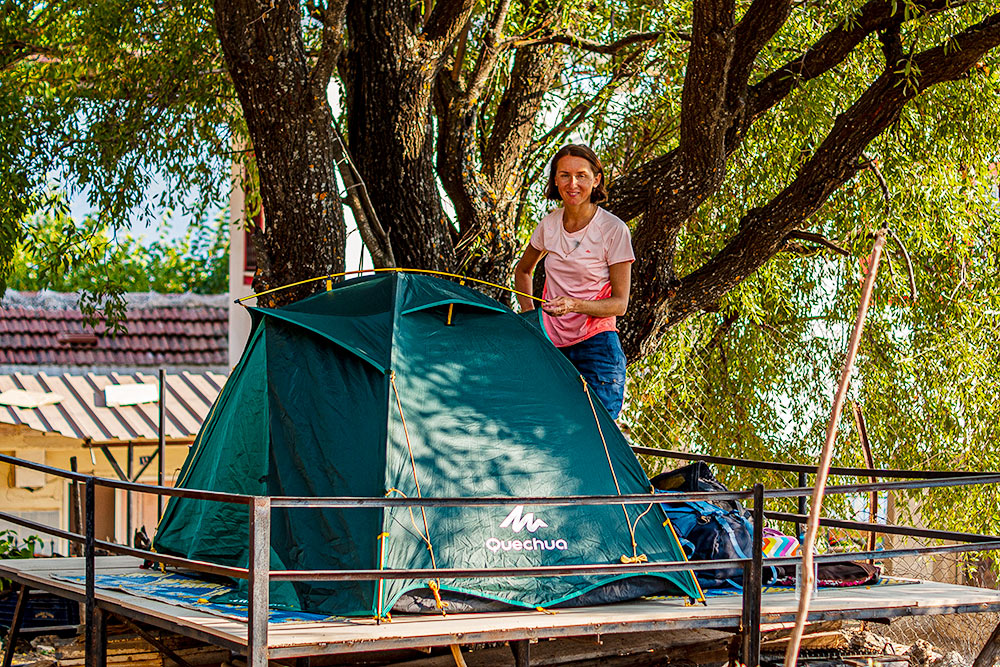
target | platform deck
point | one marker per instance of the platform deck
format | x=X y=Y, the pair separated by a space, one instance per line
x=296 y=639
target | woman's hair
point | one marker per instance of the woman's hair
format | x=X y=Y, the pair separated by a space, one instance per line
x=599 y=193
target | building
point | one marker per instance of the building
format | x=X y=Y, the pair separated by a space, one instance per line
x=84 y=397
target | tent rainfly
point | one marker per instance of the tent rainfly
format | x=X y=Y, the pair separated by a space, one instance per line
x=405 y=385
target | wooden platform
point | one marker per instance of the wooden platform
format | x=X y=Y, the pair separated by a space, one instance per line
x=286 y=640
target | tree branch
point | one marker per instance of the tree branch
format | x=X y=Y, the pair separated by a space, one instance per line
x=372 y=232
x=834 y=163
x=909 y=263
x=759 y=24
x=814 y=238
x=831 y=49
x=629 y=194
x=575 y=116
x=586 y=44
x=446 y=20
x=332 y=19
x=488 y=54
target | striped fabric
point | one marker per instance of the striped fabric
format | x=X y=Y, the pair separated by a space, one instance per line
x=780 y=546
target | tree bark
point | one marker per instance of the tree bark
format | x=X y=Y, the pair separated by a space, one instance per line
x=291 y=130
x=391 y=70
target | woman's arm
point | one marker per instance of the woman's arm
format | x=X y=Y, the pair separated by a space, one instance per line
x=616 y=304
x=522 y=276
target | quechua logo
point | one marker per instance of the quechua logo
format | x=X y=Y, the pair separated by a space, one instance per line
x=517 y=521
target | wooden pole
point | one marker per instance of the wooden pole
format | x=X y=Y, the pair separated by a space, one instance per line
x=823 y=470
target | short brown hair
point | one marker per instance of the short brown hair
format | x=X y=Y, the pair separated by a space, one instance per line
x=599 y=193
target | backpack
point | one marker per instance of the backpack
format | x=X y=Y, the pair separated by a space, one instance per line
x=695 y=476
x=708 y=532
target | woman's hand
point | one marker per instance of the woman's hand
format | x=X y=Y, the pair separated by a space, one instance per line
x=561 y=305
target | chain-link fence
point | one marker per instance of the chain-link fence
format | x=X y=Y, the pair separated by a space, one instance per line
x=721 y=387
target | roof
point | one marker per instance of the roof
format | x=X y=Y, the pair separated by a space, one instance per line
x=46 y=331
x=82 y=410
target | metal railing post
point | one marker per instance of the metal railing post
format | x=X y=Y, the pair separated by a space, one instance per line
x=753 y=580
x=161 y=443
x=259 y=582
x=799 y=531
x=95 y=649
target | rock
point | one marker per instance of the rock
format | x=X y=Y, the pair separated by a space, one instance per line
x=951 y=659
x=922 y=654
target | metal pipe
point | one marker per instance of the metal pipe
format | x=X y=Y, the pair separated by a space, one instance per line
x=128 y=495
x=796 y=467
x=259 y=583
x=92 y=650
x=161 y=444
x=76 y=511
x=890 y=530
x=826 y=456
x=859 y=421
x=488 y=501
x=590 y=570
x=888 y=486
x=753 y=579
x=941 y=479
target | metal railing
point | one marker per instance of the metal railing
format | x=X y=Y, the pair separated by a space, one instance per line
x=259 y=575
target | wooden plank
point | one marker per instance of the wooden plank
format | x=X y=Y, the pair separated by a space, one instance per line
x=218 y=630
x=345 y=636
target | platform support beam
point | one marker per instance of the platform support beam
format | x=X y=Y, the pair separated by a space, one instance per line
x=753 y=584
x=521 y=649
x=259 y=583
x=15 y=625
x=800 y=531
x=991 y=650
x=154 y=642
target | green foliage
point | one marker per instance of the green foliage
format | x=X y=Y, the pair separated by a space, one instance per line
x=89 y=256
x=757 y=378
x=13 y=547
x=102 y=96
x=106 y=93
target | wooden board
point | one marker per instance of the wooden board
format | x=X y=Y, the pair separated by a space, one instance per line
x=411 y=631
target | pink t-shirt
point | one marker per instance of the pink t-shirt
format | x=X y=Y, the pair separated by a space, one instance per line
x=576 y=265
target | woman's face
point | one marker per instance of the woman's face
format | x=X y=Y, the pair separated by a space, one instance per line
x=575 y=179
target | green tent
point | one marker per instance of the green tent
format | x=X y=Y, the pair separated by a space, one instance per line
x=406 y=385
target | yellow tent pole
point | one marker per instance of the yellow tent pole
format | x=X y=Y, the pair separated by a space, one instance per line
x=331 y=276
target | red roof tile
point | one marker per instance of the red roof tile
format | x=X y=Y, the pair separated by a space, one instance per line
x=189 y=336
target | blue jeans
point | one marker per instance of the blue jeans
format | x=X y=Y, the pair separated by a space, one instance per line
x=601 y=362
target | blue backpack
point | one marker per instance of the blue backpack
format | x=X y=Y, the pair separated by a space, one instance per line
x=708 y=532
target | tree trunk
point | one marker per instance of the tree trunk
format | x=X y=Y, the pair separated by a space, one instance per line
x=390 y=132
x=291 y=131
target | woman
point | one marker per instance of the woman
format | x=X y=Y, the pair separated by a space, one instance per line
x=588 y=270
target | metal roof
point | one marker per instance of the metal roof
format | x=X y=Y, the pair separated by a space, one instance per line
x=82 y=411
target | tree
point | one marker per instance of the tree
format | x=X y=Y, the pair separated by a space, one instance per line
x=81 y=254
x=449 y=109
x=754 y=147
